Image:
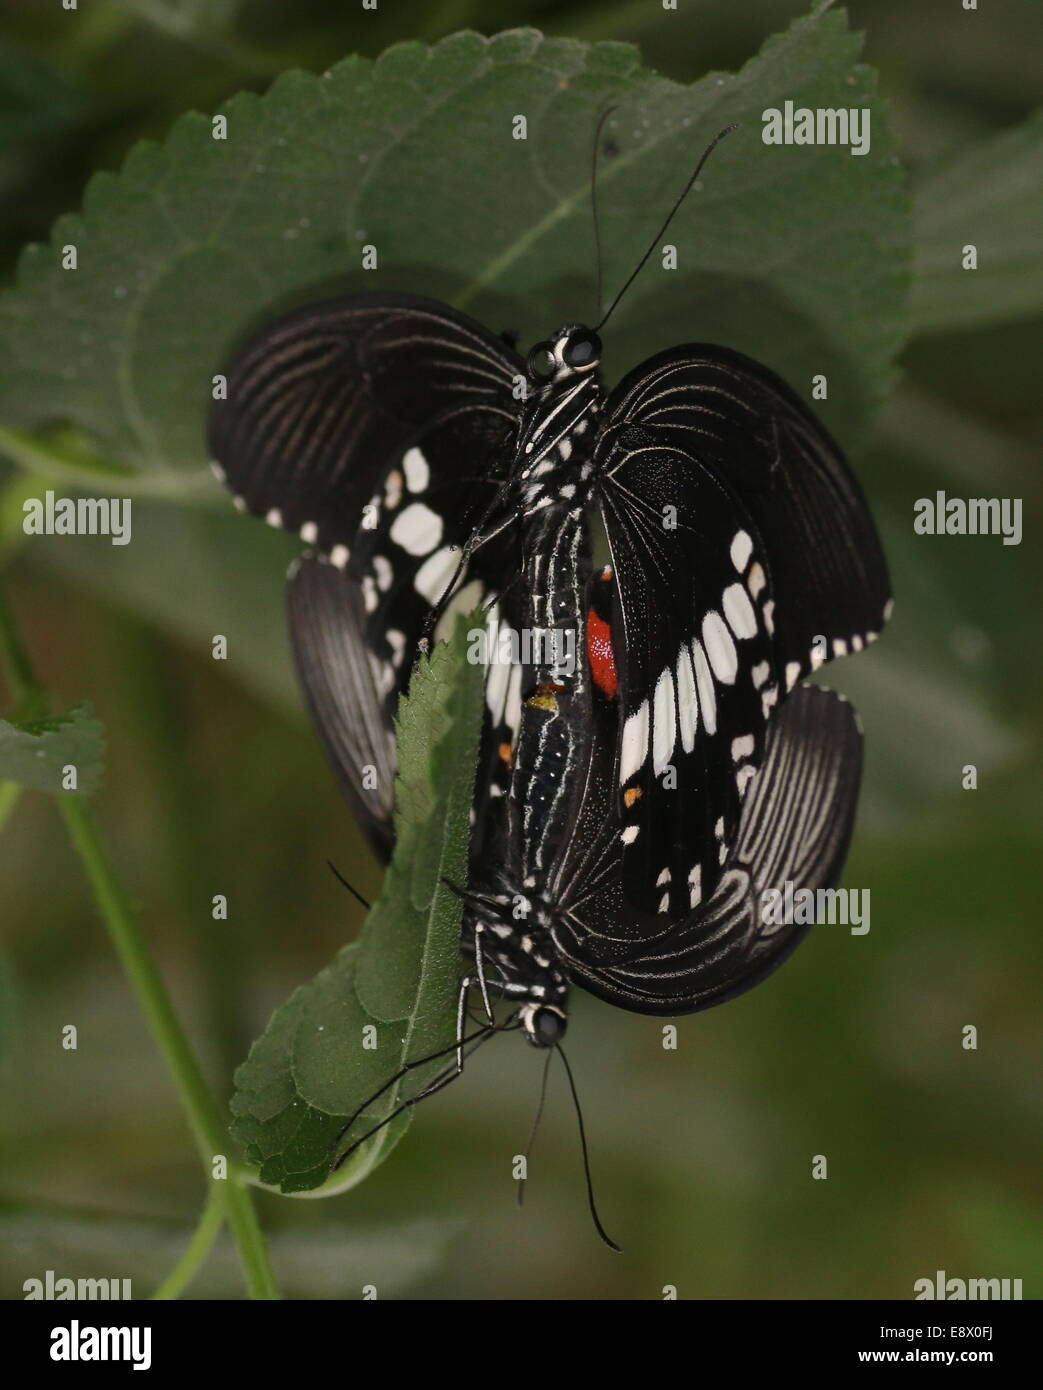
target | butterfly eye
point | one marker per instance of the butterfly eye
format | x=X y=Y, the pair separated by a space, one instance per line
x=582 y=350
x=541 y=361
x=547 y=1027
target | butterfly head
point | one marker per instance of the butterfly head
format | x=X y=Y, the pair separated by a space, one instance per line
x=573 y=351
x=543 y=1024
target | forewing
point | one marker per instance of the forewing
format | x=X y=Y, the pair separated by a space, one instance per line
x=745 y=555
x=377 y=428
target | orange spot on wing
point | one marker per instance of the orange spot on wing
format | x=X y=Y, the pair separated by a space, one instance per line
x=631 y=795
x=505 y=753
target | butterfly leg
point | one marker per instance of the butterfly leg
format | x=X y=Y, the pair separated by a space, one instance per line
x=457 y=1047
x=442 y=1079
x=479 y=960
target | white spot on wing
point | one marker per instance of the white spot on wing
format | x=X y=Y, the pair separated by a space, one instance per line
x=742 y=747
x=741 y=548
x=792 y=672
x=463 y=601
x=755 y=580
x=664 y=722
x=418 y=475
x=309 y=533
x=695 y=886
x=687 y=700
x=630 y=834
x=720 y=649
x=384 y=572
x=739 y=611
x=393 y=490
x=496 y=689
x=707 y=699
x=760 y=674
x=435 y=573
x=635 y=743
x=512 y=713
x=417 y=529
x=339 y=556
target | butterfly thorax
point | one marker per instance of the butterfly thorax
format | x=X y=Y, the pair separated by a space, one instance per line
x=558 y=426
x=510 y=931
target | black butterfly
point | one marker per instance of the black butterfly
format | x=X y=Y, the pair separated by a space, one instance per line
x=630 y=811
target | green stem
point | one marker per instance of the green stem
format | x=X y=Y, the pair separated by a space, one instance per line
x=211 y=1219
x=9 y=792
x=242 y=1218
x=147 y=984
x=144 y=978
x=25 y=688
x=184 y=1070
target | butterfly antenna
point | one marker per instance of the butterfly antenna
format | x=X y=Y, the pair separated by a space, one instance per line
x=586 y=1157
x=535 y=1126
x=670 y=217
x=353 y=891
x=594 y=202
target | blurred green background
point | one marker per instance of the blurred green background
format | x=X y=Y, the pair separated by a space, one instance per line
x=702 y=1156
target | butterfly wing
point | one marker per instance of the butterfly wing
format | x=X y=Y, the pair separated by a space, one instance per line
x=738 y=536
x=348 y=690
x=376 y=428
x=795 y=828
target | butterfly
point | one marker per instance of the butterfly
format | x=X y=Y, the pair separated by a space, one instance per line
x=632 y=806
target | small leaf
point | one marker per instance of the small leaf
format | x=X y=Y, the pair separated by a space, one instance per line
x=988 y=197
x=396 y=988
x=37 y=753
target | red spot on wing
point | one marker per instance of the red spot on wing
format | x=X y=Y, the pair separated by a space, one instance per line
x=602 y=658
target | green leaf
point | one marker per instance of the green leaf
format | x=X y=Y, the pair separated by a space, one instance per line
x=36 y=754
x=312 y=1067
x=990 y=197
x=794 y=254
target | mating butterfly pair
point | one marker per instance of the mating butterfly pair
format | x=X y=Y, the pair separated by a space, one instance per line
x=642 y=801
x=385 y=431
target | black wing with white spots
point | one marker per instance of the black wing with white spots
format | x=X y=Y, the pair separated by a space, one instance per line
x=377 y=428
x=795 y=828
x=745 y=555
